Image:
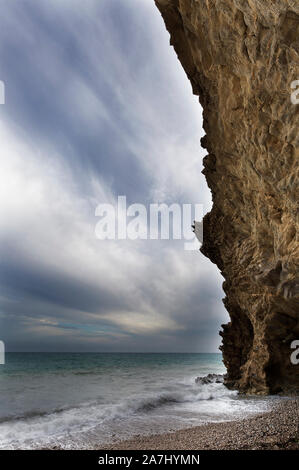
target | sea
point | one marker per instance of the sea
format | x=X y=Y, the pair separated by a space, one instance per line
x=84 y=400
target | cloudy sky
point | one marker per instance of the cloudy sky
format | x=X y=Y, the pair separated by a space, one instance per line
x=97 y=105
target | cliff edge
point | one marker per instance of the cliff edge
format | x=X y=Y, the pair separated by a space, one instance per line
x=242 y=57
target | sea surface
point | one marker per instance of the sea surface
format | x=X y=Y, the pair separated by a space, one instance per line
x=75 y=400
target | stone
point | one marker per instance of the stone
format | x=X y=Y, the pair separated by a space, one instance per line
x=210 y=379
x=242 y=58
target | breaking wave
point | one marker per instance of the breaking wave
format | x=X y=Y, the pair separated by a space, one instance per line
x=192 y=403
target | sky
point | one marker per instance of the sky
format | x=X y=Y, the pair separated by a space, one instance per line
x=97 y=106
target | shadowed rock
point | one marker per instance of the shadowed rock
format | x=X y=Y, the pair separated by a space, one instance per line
x=242 y=59
x=210 y=379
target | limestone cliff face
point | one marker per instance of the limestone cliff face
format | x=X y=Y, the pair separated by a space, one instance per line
x=241 y=57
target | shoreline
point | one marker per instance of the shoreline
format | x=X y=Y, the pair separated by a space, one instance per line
x=277 y=429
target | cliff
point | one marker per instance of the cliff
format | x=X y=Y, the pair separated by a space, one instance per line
x=241 y=57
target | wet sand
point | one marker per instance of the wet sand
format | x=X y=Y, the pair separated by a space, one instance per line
x=276 y=429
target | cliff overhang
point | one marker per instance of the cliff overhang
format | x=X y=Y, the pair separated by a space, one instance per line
x=241 y=57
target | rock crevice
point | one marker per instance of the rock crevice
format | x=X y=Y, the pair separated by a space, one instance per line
x=241 y=57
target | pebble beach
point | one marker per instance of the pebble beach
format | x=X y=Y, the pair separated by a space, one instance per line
x=277 y=429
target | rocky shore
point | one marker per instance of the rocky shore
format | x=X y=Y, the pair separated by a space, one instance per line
x=277 y=429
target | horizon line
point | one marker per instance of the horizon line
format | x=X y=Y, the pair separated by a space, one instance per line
x=112 y=352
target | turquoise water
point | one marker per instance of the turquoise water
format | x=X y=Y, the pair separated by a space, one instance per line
x=78 y=400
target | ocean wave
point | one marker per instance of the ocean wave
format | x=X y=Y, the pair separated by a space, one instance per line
x=33 y=414
x=191 y=394
x=37 y=428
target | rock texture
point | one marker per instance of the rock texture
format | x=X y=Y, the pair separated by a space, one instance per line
x=241 y=57
x=209 y=379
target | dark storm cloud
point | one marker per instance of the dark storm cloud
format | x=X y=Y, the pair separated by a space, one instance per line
x=97 y=106
x=47 y=67
x=45 y=285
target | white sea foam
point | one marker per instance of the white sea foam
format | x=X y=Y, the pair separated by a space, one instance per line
x=178 y=405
